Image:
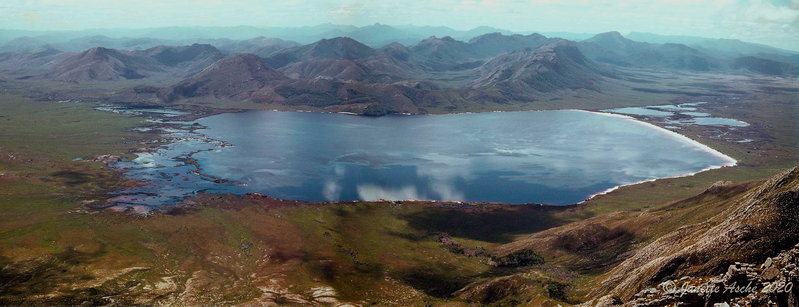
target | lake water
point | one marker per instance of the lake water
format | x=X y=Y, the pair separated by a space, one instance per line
x=685 y=109
x=554 y=157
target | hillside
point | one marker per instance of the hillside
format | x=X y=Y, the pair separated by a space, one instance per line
x=493 y=44
x=765 y=66
x=758 y=223
x=102 y=64
x=613 y=48
x=336 y=48
x=719 y=47
x=177 y=55
x=555 y=66
x=238 y=77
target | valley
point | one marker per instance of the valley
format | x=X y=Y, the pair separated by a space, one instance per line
x=63 y=245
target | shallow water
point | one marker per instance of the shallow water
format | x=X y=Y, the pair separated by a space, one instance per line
x=718 y=121
x=665 y=112
x=555 y=157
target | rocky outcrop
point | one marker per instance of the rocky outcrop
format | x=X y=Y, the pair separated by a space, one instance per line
x=775 y=282
x=107 y=159
x=761 y=222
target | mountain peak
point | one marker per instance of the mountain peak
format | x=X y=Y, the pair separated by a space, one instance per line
x=100 y=63
x=612 y=36
x=438 y=41
x=612 y=40
x=341 y=40
x=434 y=38
x=496 y=43
x=492 y=35
x=554 y=66
x=236 y=76
x=98 y=51
x=340 y=43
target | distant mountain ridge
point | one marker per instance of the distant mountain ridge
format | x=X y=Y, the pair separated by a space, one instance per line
x=343 y=74
x=726 y=47
x=102 y=64
x=613 y=48
x=336 y=48
x=375 y=35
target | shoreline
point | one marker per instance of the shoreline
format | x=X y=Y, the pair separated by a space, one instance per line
x=193 y=115
x=730 y=161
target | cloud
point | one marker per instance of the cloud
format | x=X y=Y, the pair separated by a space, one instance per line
x=370 y=192
x=767 y=22
x=331 y=191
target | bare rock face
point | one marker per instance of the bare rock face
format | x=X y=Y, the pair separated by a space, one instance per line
x=773 y=283
x=759 y=223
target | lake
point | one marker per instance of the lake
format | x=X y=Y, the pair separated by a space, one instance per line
x=552 y=157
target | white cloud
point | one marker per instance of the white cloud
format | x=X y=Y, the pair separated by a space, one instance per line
x=372 y=192
x=331 y=190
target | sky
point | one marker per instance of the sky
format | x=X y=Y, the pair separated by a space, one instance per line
x=772 y=22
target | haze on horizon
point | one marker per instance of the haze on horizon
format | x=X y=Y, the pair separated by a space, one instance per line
x=771 y=22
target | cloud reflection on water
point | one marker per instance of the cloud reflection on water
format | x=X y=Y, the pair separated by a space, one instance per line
x=554 y=156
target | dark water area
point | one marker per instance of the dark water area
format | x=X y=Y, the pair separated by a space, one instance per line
x=552 y=157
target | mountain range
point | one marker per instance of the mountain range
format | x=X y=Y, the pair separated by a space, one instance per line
x=375 y=35
x=342 y=74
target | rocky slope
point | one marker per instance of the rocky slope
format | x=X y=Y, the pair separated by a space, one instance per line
x=770 y=283
x=759 y=223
